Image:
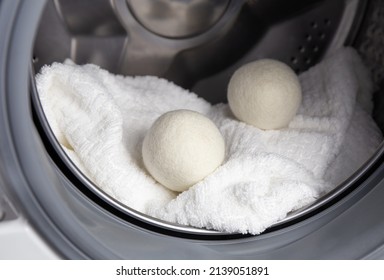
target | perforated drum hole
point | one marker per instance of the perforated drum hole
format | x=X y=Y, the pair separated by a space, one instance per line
x=308 y=37
x=316 y=49
x=294 y=60
x=327 y=22
x=314 y=24
x=302 y=49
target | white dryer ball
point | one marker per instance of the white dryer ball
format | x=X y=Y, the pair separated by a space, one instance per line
x=264 y=93
x=181 y=148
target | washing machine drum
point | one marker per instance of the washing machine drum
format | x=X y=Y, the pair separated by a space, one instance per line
x=197 y=45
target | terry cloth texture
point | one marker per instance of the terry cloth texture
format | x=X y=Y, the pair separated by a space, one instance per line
x=100 y=119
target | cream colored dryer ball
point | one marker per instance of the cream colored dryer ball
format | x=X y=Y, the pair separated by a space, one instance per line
x=265 y=93
x=181 y=148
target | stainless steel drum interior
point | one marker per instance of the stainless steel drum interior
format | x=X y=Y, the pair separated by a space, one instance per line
x=174 y=39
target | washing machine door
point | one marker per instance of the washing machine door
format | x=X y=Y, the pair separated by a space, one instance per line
x=75 y=223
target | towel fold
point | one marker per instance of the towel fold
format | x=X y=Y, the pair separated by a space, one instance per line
x=100 y=119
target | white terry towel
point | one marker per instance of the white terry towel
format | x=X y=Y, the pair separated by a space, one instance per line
x=101 y=119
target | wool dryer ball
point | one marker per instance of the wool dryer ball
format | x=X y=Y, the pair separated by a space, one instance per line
x=265 y=93
x=181 y=148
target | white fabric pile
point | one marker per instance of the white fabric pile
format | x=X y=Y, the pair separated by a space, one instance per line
x=101 y=119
